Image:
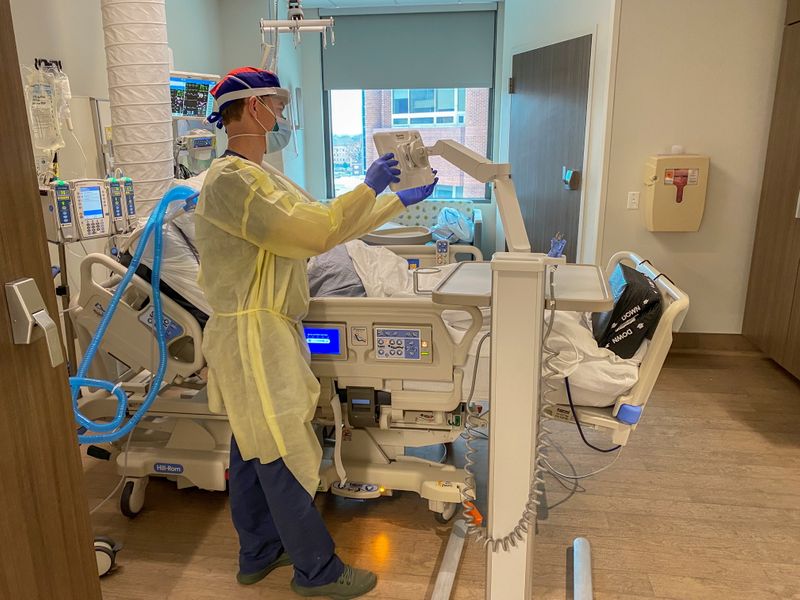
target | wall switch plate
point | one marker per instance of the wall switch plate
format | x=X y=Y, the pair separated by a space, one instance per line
x=633 y=200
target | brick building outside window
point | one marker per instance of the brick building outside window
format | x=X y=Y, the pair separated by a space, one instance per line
x=458 y=114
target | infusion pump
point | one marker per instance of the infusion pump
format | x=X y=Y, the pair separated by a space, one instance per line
x=84 y=209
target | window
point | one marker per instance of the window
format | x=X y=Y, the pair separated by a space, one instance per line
x=400 y=101
x=428 y=108
x=448 y=191
x=421 y=101
x=447 y=113
x=445 y=100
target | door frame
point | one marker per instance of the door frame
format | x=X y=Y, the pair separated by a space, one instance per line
x=588 y=250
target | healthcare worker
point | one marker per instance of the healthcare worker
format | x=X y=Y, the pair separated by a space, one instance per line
x=255 y=231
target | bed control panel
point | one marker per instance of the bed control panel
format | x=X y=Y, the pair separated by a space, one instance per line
x=403 y=344
x=442 y=252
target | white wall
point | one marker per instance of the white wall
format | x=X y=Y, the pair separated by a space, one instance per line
x=215 y=36
x=71 y=31
x=532 y=24
x=193 y=32
x=702 y=76
x=47 y=29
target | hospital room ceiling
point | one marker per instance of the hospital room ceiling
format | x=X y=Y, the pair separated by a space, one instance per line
x=384 y=3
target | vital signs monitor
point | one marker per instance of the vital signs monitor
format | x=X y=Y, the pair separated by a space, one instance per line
x=190 y=95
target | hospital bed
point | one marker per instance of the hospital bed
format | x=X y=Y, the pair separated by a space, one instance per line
x=180 y=439
x=393 y=377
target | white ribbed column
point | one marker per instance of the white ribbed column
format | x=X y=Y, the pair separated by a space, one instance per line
x=137 y=59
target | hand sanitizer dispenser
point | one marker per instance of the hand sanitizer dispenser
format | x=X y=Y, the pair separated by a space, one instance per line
x=675 y=192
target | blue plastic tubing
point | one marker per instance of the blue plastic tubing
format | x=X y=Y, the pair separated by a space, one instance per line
x=115 y=429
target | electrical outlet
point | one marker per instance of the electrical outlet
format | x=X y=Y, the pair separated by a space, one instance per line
x=633 y=200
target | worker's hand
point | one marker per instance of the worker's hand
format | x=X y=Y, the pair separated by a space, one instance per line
x=417 y=194
x=382 y=172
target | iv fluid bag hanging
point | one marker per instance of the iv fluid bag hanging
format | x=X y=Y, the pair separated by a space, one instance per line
x=42 y=97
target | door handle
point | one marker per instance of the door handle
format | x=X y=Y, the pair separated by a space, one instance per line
x=30 y=319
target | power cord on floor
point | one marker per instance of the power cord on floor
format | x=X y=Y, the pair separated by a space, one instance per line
x=558 y=473
x=571 y=485
x=578 y=423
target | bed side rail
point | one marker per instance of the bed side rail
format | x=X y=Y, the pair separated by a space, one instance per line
x=129 y=337
x=675 y=305
x=425 y=255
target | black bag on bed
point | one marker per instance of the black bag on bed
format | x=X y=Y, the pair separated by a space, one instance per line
x=635 y=316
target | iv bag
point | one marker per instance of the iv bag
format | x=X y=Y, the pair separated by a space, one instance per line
x=63 y=96
x=42 y=96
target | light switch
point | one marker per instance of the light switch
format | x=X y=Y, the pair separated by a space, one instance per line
x=633 y=200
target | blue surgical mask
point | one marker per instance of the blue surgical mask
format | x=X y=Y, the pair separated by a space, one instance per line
x=279 y=137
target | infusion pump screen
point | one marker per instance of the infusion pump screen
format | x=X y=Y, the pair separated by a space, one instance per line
x=190 y=97
x=92 y=202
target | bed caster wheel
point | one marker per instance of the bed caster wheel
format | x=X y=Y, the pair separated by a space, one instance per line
x=447 y=514
x=132 y=499
x=105 y=553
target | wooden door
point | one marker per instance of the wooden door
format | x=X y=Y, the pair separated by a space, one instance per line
x=791 y=354
x=46 y=549
x=793 y=12
x=548 y=132
x=776 y=251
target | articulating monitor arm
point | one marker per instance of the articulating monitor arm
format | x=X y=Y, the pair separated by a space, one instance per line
x=484 y=170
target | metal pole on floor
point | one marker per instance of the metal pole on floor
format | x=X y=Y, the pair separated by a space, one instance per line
x=450 y=562
x=581 y=569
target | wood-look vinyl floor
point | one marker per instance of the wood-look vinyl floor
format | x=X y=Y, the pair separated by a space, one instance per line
x=704 y=503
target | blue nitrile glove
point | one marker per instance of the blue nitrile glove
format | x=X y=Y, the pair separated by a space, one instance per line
x=382 y=172
x=417 y=194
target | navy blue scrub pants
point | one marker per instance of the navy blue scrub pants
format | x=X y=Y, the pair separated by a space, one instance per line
x=272 y=512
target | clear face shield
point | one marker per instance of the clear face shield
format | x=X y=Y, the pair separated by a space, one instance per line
x=275 y=100
x=284 y=131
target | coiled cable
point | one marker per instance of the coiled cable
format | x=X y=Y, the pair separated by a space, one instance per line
x=543 y=443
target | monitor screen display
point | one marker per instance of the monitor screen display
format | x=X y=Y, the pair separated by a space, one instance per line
x=92 y=202
x=191 y=97
x=323 y=340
